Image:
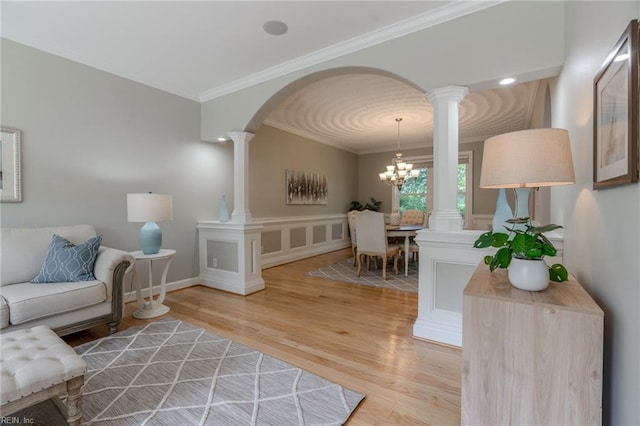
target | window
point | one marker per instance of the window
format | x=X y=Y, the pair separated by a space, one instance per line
x=417 y=194
x=414 y=193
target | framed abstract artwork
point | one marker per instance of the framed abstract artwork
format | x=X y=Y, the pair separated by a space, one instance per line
x=10 y=168
x=616 y=114
x=306 y=188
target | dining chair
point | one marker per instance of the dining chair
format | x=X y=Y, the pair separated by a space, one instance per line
x=414 y=250
x=412 y=217
x=351 y=219
x=372 y=241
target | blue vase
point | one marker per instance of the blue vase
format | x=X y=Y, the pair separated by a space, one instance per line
x=223 y=210
x=503 y=212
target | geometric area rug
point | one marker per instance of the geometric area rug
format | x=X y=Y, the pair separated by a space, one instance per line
x=170 y=372
x=345 y=271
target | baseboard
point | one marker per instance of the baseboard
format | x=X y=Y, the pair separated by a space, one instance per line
x=233 y=287
x=448 y=333
x=130 y=293
x=272 y=260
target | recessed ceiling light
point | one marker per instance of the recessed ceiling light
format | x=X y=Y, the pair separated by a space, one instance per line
x=221 y=139
x=506 y=81
x=275 y=28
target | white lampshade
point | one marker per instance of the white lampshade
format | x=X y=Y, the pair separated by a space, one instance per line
x=527 y=159
x=149 y=207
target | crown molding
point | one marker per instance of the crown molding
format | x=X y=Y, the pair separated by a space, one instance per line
x=307 y=135
x=390 y=32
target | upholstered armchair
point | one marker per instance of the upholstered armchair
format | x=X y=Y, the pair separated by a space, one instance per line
x=412 y=217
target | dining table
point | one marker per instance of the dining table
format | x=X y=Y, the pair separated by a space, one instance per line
x=406 y=231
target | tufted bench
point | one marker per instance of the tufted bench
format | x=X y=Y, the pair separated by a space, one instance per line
x=37 y=365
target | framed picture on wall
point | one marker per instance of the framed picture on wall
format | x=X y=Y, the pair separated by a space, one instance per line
x=10 y=172
x=616 y=114
x=306 y=188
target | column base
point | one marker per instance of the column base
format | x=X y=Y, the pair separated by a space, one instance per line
x=230 y=257
x=446 y=220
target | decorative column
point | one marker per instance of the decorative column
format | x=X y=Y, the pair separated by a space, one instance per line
x=445 y=100
x=447 y=257
x=241 y=213
x=230 y=252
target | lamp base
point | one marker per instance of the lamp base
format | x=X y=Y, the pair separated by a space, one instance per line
x=150 y=238
x=503 y=212
x=151 y=310
x=522 y=206
x=522 y=202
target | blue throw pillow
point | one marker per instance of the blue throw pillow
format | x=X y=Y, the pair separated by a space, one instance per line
x=67 y=262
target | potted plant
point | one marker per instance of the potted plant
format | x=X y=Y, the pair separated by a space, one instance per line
x=373 y=205
x=523 y=254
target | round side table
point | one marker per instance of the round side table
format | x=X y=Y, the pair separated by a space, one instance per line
x=152 y=308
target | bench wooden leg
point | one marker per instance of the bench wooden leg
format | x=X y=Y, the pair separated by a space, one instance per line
x=74 y=400
x=73 y=406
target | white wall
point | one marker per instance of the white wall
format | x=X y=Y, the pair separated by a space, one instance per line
x=602 y=238
x=89 y=138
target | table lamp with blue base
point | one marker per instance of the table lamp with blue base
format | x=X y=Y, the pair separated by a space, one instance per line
x=523 y=160
x=149 y=208
x=150 y=238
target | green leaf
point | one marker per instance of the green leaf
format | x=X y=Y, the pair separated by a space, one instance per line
x=548 y=250
x=487 y=260
x=546 y=228
x=500 y=239
x=503 y=257
x=519 y=243
x=495 y=263
x=545 y=240
x=484 y=240
x=534 y=252
x=518 y=220
x=558 y=273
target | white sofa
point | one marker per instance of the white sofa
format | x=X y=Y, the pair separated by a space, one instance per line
x=64 y=307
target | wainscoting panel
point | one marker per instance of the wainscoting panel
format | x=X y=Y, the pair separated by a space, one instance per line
x=447 y=261
x=286 y=239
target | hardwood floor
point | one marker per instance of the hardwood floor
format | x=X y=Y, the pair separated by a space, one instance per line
x=354 y=335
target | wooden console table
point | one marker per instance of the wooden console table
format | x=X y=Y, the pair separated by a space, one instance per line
x=530 y=357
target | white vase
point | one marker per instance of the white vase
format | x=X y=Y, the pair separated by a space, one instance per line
x=529 y=274
x=394 y=218
x=223 y=211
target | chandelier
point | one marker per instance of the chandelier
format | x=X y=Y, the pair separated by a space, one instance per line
x=398 y=172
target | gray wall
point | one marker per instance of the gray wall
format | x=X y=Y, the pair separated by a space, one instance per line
x=602 y=238
x=272 y=151
x=89 y=138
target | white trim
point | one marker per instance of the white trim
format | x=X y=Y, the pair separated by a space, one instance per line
x=390 y=32
x=130 y=296
x=291 y=219
x=284 y=225
x=452 y=248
